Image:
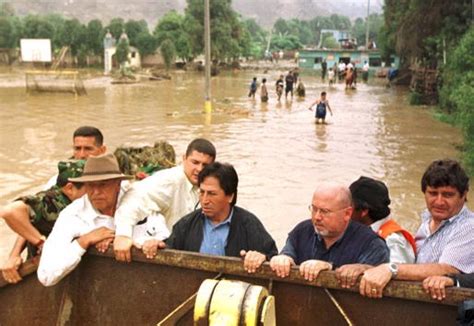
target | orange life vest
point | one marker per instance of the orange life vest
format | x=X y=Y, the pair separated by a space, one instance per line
x=391 y=226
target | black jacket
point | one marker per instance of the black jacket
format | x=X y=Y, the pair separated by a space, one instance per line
x=246 y=233
x=465 y=280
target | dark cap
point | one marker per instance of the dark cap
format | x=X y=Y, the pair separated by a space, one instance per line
x=372 y=194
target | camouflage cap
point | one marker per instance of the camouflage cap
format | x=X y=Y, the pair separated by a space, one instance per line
x=69 y=169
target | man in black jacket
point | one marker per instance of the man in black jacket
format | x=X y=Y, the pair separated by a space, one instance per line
x=219 y=227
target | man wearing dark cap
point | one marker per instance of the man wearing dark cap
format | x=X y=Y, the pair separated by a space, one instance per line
x=371 y=207
x=33 y=217
x=89 y=220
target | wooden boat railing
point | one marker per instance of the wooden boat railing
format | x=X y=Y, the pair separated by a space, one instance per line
x=103 y=291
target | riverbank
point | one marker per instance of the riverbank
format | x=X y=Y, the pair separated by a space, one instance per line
x=14 y=76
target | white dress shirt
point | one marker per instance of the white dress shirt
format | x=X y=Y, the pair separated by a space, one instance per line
x=61 y=251
x=401 y=250
x=167 y=192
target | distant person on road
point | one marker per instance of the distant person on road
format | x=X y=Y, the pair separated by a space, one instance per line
x=341 y=70
x=324 y=68
x=321 y=104
x=365 y=72
x=279 y=85
x=289 y=81
x=253 y=88
x=300 y=89
x=349 y=78
x=331 y=76
x=264 y=91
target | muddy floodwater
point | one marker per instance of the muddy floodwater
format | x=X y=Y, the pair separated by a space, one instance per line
x=276 y=148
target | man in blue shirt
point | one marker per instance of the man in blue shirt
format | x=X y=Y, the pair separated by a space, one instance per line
x=330 y=238
x=444 y=240
x=219 y=227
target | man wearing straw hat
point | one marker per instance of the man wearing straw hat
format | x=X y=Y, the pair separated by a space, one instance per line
x=89 y=221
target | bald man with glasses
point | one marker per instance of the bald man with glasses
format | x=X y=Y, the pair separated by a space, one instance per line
x=330 y=238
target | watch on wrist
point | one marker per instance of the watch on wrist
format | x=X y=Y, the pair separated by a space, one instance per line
x=393 y=267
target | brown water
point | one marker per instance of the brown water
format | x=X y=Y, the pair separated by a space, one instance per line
x=278 y=151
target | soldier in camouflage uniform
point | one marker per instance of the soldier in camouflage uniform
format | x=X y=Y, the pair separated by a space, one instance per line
x=33 y=217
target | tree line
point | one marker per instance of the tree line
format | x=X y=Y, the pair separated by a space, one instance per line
x=438 y=35
x=181 y=35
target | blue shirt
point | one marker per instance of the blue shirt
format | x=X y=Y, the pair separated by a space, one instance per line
x=359 y=244
x=215 y=236
x=452 y=243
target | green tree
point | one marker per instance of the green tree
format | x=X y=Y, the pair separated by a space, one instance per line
x=257 y=33
x=285 y=42
x=121 y=53
x=133 y=28
x=330 y=42
x=376 y=23
x=171 y=27
x=6 y=33
x=57 y=21
x=227 y=31
x=73 y=35
x=146 y=43
x=94 y=36
x=340 y=22
x=457 y=92
x=422 y=30
x=280 y=27
x=37 y=27
x=116 y=27
x=168 y=53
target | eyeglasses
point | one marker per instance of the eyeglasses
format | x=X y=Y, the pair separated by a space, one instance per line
x=324 y=212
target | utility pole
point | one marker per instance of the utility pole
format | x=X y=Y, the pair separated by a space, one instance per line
x=207 y=55
x=367 y=26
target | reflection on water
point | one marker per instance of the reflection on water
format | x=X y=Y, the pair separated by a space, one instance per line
x=276 y=147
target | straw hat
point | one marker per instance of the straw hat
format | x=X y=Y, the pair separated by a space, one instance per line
x=99 y=168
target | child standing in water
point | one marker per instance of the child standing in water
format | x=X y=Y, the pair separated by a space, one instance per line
x=279 y=86
x=253 y=88
x=321 y=105
x=331 y=76
x=264 y=91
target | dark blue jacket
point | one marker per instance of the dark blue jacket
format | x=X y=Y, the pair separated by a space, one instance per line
x=358 y=245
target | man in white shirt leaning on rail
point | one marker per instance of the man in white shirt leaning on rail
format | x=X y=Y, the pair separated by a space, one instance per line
x=171 y=193
x=89 y=221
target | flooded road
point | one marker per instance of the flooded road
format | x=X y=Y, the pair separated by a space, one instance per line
x=277 y=150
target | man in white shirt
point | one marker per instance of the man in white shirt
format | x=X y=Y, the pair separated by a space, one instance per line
x=89 y=221
x=172 y=193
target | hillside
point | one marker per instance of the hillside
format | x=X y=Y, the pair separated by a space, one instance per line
x=264 y=11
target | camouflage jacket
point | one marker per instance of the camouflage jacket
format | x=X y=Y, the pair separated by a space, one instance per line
x=45 y=208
